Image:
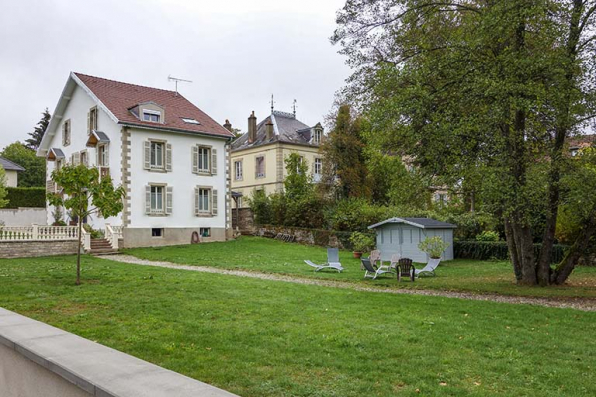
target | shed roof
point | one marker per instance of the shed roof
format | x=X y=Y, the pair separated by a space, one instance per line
x=423 y=223
x=9 y=165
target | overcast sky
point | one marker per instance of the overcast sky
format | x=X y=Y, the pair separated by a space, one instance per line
x=236 y=52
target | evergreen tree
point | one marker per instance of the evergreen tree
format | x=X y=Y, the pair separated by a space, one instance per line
x=344 y=169
x=38 y=131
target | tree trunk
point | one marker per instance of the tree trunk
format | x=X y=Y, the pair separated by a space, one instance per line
x=513 y=252
x=563 y=125
x=579 y=247
x=78 y=282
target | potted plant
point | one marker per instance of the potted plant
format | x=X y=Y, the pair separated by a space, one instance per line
x=433 y=246
x=361 y=243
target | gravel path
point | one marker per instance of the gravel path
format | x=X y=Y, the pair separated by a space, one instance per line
x=580 y=304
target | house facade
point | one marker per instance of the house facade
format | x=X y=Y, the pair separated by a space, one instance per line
x=258 y=156
x=11 y=171
x=171 y=158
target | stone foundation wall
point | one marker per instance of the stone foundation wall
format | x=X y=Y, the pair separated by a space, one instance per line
x=141 y=237
x=26 y=249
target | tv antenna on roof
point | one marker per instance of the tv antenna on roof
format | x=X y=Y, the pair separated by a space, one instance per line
x=176 y=80
x=294 y=106
x=272 y=103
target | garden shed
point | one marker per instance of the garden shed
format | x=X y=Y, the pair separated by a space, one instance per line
x=402 y=236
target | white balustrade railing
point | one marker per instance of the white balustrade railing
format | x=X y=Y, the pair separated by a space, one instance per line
x=36 y=232
x=113 y=234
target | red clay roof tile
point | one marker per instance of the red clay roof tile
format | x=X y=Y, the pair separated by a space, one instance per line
x=119 y=97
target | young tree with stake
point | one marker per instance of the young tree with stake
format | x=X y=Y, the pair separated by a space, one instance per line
x=84 y=193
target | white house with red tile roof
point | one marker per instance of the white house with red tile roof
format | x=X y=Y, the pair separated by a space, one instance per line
x=169 y=155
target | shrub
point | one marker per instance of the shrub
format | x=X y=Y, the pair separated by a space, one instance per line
x=433 y=246
x=484 y=250
x=32 y=197
x=487 y=235
x=361 y=242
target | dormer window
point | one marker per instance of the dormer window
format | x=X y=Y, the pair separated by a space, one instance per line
x=317 y=136
x=151 y=116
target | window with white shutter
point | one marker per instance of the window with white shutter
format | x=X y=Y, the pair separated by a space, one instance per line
x=92 y=120
x=214 y=201
x=157 y=156
x=169 y=200
x=213 y=161
x=66 y=133
x=168 y=157
x=204 y=201
x=158 y=200
x=195 y=159
x=103 y=156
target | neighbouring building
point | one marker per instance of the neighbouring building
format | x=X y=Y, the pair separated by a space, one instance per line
x=258 y=156
x=171 y=158
x=12 y=172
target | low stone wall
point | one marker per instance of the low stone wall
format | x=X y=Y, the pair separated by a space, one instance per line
x=27 y=249
x=23 y=216
x=324 y=238
x=40 y=360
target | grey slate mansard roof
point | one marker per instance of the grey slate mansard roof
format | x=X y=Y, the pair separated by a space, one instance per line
x=423 y=223
x=286 y=127
x=9 y=165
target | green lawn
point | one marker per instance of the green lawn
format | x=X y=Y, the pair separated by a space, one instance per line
x=265 y=338
x=272 y=256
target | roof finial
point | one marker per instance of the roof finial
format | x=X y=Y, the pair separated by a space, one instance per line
x=272 y=102
x=294 y=108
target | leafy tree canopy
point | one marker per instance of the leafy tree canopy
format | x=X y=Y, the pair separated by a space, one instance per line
x=462 y=86
x=35 y=167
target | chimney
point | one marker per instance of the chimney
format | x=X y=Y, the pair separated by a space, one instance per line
x=269 y=129
x=252 y=128
x=228 y=125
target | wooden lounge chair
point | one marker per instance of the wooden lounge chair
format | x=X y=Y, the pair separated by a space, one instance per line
x=370 y=271
x=405 y=268
x=429 y=269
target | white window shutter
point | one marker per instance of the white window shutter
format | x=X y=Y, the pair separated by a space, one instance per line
x=214 y=201
x=195 y=159
x=64 y=134
x=68 y=133
x=213 y=161
x=168 y=157
x=169 y=200
x=107 y=155
x=196 y=201
x=88 y=122
x=147 y=157
x=147 y=199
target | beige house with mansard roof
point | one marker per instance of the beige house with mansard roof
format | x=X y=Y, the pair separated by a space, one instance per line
x=258 y=156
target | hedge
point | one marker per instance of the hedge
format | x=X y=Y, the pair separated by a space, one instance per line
x=26 y=197
x=483 y=250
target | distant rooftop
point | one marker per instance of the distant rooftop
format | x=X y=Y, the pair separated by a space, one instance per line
x=287 y=128
x=9 y=165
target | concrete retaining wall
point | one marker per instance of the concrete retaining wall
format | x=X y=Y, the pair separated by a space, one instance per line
x=26 y=249
x=40 y=360
x=23 y=216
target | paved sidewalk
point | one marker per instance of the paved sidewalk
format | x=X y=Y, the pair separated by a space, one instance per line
x=580 y=304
